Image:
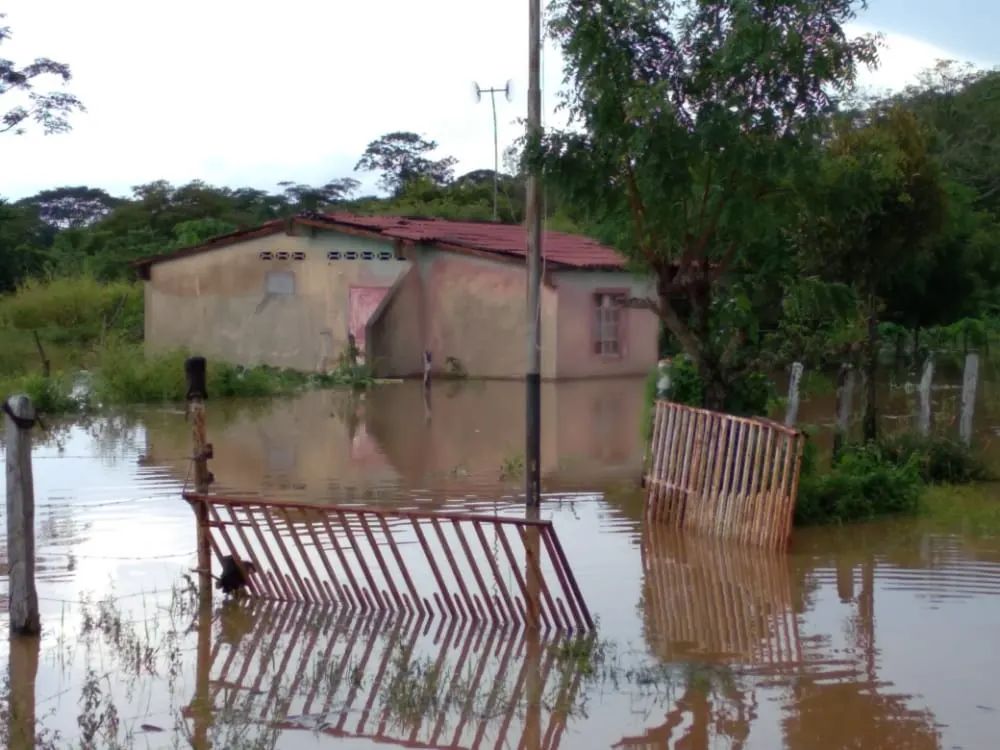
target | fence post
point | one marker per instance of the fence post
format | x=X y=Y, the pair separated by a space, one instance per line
x=427 y=369
x=792 y=410
x=924 y=422
x=845 y=392
x=197 y=392
x=19 y=416
x=970 y=379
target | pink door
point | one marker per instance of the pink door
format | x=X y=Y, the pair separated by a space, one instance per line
x=364 y=301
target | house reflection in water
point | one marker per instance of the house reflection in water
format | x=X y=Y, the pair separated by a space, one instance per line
x=338 y=446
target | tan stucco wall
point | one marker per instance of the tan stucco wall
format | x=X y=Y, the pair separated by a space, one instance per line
x=214 y=303
x=454 y=305
x=396 y=334
x=476 y=312
x=575 y=327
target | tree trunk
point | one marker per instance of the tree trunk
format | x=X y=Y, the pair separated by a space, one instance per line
x=870 y=422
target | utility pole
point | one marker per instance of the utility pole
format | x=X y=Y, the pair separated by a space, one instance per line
x=532 y=495
x=496 y=143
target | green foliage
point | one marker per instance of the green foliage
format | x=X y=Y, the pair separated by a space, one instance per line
x=971 y=510
x=124 y=376
x=512 y=467
x=402 y=157
x=49 y=110
x=695 y=126
x=938 y=459
x=49 y=395
x=79 y=309
x=685 y=383
x=864 y=484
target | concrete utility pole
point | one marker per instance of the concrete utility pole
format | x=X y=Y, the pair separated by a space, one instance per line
x=532 y=378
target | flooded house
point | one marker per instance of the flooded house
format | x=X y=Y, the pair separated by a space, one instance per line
x=292 y=293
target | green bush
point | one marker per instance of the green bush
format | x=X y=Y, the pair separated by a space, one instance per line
x=52 y=395
x=123 y=375
x=938 y=459
x=864 y=484
x=78 y=310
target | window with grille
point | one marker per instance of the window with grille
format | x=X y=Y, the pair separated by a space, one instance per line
x=609 y=313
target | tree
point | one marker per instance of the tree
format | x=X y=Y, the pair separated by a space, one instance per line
x=961 y=105
x=401 y=157
x=23 y=239
x=72 y=207
x=695 y=121
x=308 y=198
x=880 y=204
x=49 y=110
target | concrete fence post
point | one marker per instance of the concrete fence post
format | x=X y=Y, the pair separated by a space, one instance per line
x=970 y=379
x=924 y=390
x=792 y=410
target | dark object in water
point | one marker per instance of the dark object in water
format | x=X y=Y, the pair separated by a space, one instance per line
x=232 y=578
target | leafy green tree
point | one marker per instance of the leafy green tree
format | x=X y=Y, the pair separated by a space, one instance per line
x=50 y=110
x=23 y=239
x=402 y=157
x=693 y=122
x=880 y=203
x=72 y=207
x=308 y=198
x=961 y=105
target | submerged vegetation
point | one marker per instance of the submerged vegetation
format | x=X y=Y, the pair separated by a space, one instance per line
x=881 y=478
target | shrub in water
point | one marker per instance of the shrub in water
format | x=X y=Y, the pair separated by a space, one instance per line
x=939 y=459
x=52 y=395
x=864 y=484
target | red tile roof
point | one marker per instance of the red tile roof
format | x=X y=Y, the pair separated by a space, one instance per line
x=507 y=240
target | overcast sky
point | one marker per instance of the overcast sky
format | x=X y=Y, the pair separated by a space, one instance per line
x=249 y=93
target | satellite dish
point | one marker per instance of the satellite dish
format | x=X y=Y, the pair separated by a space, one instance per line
x=508 y=91
x=476 y=92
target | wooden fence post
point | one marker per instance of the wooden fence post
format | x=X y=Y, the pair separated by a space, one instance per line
x=845 y=392
x=970 y=378
x=792 y=410
x=197 y=392
x=19 y=416
x=924 y=421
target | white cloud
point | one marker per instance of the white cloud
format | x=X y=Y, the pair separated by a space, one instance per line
x=252 y=92
x=902 y=58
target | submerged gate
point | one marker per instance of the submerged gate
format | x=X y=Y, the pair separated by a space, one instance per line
x=732 y=477
x=506 y=571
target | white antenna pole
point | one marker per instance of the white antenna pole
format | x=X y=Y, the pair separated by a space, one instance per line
x=492 y=91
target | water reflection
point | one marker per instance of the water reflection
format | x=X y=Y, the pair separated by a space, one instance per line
x=881 y=635
x=336 y=446
x=399 y=681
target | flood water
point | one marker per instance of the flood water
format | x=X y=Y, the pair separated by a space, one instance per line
x=883 y=635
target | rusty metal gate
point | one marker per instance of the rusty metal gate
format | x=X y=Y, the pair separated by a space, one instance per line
x=731 y=477
x=506 y=571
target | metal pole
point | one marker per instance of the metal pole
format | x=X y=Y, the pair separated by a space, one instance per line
x=496 y=150
x=534 y=221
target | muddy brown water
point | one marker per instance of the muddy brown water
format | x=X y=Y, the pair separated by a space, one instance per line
x=883 y=635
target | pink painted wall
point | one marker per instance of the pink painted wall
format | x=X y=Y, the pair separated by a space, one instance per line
x=363 y=302
x=473 y=309
x=576 y=323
